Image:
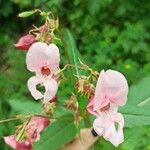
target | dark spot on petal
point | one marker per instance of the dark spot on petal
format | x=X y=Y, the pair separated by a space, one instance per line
x=105 y=108
x=45 y=71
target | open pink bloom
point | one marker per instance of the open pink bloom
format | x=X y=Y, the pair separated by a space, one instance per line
x=25 y=42
x=32 y=134
x=111 y=92
x=44 y=60
x=106 y=126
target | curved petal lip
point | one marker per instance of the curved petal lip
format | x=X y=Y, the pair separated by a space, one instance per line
x=51 y=87
x=105 y=126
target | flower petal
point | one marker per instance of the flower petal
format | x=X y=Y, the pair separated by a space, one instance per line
x=41 y=123
x=117 y=134
x=11 y=141
x=54 y=56
x=117 y=87
x=51 y=87
x=90 y=107
x=40 y=55
x=105 y=126
x=32 y=82
x=36 y=57
x=111 y=87
x=99 y=97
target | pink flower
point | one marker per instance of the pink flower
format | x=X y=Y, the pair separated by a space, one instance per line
x=32 y=134
x=111 y=92
x=44 y=60
x=25 y=42
x=35 y=127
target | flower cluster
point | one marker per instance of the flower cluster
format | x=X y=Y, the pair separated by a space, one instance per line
x=111 y=92
x=32 y=130
x=43 y=59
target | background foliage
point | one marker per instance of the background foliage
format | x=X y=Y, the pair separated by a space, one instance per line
x=108 y=33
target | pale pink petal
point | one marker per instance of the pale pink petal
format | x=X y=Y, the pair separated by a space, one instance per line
x=41 y=55
x=41 y=122
x=51 y=87
x=113 y=108
x=105 y=126
x=37 y=57
x=99 y=97
x=101 y=124
x=32 y=82
x=111 y=87
x=90 y=107
x=54 y=56
x=118 y=117
x=117 y=87
x=117 y=136
x=11 y=141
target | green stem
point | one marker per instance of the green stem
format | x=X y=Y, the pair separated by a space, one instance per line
x=86 y=118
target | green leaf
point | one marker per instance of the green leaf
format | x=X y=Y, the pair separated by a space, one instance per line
x=27 y=13
x=139 y=92
x=132 y=138
x=136 y=120
x=57 y=134
x=136 y=112
x=25 y=106
x=135 y=116
x=71 y=49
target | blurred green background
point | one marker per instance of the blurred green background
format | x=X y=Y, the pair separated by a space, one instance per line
x=108 y=33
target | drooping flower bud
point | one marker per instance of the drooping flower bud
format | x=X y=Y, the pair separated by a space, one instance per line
x=25 y=42
x=31 y=133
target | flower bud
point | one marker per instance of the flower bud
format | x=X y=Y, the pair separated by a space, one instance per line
x=25 y=42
